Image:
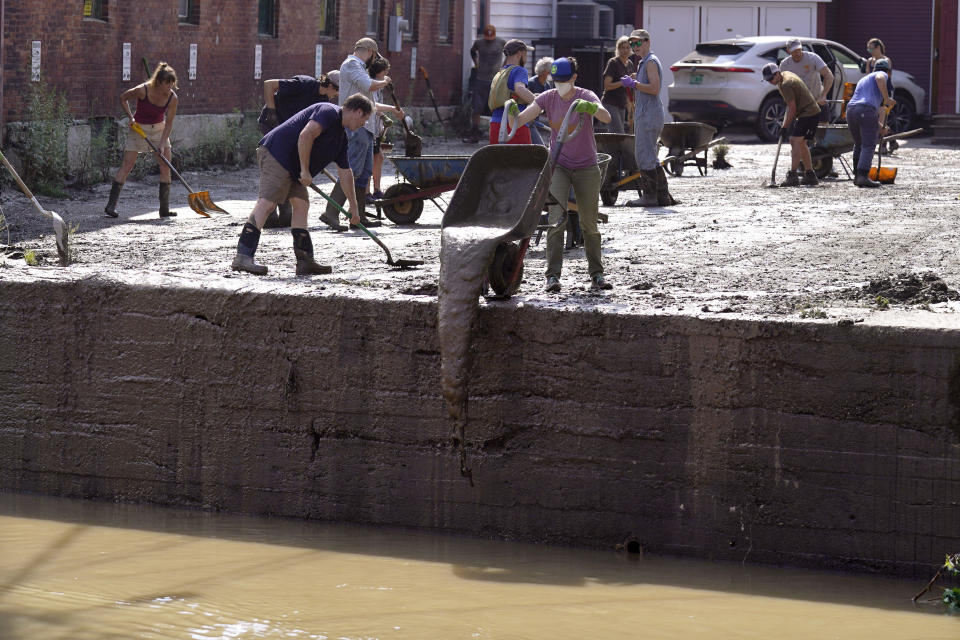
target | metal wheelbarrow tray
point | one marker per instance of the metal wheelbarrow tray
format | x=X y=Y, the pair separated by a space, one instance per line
x=681 y=138
x=425 y=177
x=623 y=168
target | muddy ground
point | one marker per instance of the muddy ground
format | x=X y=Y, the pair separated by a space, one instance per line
x=833 y=253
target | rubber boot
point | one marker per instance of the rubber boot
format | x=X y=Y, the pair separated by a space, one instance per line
x=810 y=179
x=664 y=199
x=111 y=208
x=246 y=247
x=862 y=179
x=303 y=250
x=165 y=201
x=331 y=215
x=793 y=179
x=362 y=202
x=648 y=189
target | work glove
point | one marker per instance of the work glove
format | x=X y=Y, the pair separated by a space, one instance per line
x=514 y=110
x=267 y=120
x=585 y=106
x=628 y=82
x=784 y=134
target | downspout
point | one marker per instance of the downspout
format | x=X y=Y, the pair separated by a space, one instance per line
x=469 y=33
x=3 y=48
x=957 y=63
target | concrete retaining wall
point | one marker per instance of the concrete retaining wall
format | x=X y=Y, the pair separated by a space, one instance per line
x=808 y=444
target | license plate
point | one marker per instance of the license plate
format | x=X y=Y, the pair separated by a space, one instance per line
x=696 y=78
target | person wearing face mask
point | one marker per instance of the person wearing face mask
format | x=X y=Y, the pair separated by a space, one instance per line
x=647 y=121
x=576 y=166
x=510 y=82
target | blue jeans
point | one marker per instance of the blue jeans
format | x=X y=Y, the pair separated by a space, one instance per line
x=863 y=121
x=360 y=156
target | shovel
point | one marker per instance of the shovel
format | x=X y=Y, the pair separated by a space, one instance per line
x=59 y=227
x=200 y=201
x=412 y=144
x=402 y=263
x=430 y=93
x=887 y=175
x=772 y=183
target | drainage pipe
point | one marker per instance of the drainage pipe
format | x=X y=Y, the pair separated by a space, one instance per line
x=3 y=48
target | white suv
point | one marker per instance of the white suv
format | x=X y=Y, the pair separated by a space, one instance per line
x=720 y=83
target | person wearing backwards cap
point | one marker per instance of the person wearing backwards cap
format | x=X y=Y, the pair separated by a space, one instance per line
x=799 y=123
x=284 y=97
x=812 y=70
x=647 y=121
x=866 y=117
x=354 y=78
x=510 y=82
x=487 y=54
x=577 y=166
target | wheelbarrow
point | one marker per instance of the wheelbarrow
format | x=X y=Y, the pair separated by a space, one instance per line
x=684 y=142
x=623 y=169
x=424 y=177
x=832 y=141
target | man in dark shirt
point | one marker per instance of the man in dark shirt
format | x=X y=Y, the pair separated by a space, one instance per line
x=289 y=157
x=486 y=54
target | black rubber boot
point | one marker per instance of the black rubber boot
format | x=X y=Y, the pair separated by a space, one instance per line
x=862 y=179
x=165 y=201
x=647 y=189
x=303 y=250
x=361 y=202
x=664 y=199
x=111 y=208
x=246 y=247
x=793 y=179
x=331 y=215
x=810 y=179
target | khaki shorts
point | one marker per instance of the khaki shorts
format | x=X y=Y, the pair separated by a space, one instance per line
x=136 y=143
x=276 y=185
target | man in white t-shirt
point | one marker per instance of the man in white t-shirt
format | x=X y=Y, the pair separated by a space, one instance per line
x=812 y=70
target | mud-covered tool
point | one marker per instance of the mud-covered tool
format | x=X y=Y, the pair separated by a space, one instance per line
x=402 y=263
x=59 y=227
x=199 y=201
x=412 y=144
x=772 y=183
x=433 y=100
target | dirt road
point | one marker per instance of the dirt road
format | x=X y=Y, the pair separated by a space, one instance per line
x=730 y=247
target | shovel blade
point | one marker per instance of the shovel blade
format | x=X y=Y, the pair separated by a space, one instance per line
x=405 y=263
x=886 y=175
x=197 y=204
x=208 y=203
x=61 y=233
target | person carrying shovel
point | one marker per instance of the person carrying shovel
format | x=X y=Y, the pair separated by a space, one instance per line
x=866 y=117
x=289 y=157
x=577 y=166
x=156 y=109
x=799 y=123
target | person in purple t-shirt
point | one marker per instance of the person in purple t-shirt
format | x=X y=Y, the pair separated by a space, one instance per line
x=289 y=156
x=577 y=166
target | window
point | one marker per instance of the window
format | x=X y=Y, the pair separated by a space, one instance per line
x=328 y=15
x=267 y=18
x=445 y=17
x=373 y=18
x=96 y=9
x=410 y=13
x=846 y=58
x=189 y=12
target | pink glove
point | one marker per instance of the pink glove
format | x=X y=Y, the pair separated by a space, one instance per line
x=628 y=82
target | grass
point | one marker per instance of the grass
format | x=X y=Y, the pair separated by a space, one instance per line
x=30 y=257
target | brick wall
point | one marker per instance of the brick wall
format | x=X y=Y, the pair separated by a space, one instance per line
x=83 y=57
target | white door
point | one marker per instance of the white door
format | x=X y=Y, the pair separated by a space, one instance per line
x=790 y=21
x=727 y=21
x=673 y=32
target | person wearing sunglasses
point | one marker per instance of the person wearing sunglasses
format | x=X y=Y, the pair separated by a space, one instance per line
x=876 y=50
x=647 y=121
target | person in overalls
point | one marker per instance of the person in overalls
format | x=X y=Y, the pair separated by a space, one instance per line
x=647 y=122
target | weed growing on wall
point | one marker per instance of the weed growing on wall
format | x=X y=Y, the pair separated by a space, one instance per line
x=234 y=144
x=103 y=154
x=44 y=140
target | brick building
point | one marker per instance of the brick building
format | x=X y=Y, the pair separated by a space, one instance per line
x=213 y=46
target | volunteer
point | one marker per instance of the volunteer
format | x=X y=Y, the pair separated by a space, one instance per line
x=799 y=123
x=615 y=99
x=486 y=54
x=866 y=118
x=812 y=70
x=510 y=82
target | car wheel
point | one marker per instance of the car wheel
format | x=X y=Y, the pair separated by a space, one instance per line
x=770 y=118
x=903 y=114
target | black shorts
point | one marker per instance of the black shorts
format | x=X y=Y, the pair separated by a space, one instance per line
x=805 y=127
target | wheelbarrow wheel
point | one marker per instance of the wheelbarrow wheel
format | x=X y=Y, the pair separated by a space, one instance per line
x=498 y=273
x=609 y=196
x=405 y=212
x=675 y=167
x=822 y=165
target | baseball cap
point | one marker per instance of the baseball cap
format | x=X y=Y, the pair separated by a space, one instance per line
x=561 y=70
x=639 y=34
x=769 y=70
x=513 y=46
x=366 y=43
x=489 y=32
x=334 y=77
x=793 y=44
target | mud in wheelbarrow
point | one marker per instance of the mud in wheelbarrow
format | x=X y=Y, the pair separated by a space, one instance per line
x=425 y=177
x=683 y=138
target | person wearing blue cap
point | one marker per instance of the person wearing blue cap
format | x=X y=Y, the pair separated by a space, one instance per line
x=576 y=166
x=866 y=118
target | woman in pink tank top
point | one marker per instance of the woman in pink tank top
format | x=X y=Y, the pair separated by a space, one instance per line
x=156 y=109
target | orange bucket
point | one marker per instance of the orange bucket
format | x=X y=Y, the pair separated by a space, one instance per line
x=886 y=174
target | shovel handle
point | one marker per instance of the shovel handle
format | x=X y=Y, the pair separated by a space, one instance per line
x=24 y=187
x=136 y=127
x=372 y=235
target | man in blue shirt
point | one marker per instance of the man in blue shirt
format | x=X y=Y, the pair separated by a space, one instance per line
x=510 y=82
x=289 y=157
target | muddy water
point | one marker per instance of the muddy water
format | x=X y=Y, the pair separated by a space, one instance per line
x=82 y=570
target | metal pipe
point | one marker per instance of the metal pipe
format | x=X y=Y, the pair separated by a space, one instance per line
x=3 y=48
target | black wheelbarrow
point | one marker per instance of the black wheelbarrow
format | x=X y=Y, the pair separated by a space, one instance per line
x=623 y=170
x=684 y=142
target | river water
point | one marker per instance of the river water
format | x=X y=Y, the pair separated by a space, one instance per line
x=85 y=570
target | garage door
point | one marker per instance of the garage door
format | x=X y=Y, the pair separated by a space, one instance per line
x=674 y=32
x=793 y=21
x=719 y=21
